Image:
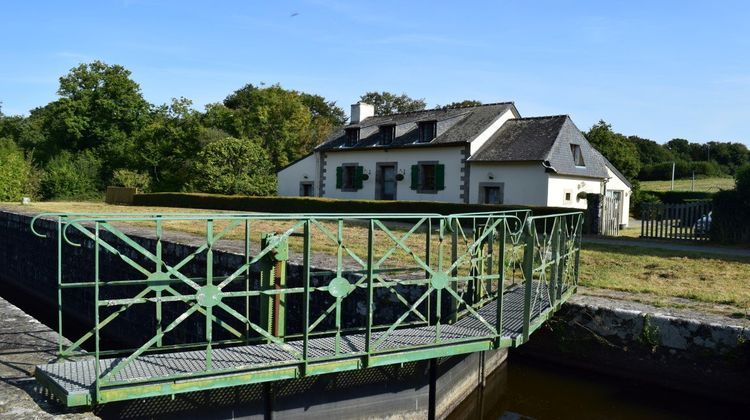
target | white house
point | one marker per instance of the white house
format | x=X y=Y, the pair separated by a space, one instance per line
x=478 y=154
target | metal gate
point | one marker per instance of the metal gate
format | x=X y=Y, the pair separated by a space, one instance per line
x=611 y=213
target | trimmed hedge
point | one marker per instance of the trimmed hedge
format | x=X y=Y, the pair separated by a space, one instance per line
x=680 y=197
x=320 y=205
x=729 y=220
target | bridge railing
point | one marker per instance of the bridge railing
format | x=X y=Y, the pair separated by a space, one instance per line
x=312 y=288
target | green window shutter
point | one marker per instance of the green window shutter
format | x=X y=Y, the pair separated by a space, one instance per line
x=358 y=177
x=440 y=177
x=339 y=177
x=414 y=177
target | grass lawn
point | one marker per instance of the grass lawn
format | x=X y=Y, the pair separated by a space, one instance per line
x=706 y=278
x=701 y=184
x=661 y=274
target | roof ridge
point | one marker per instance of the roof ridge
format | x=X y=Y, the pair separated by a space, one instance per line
x=542 y=117
x=446 y=109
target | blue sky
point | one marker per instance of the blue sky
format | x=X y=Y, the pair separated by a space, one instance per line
x=658 y=69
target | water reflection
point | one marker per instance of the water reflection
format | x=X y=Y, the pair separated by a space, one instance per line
x=531 y=389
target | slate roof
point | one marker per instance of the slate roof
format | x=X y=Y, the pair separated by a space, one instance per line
x=542 y=139
x=454 y=126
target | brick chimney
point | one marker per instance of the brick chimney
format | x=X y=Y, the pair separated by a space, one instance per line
x=361 y=111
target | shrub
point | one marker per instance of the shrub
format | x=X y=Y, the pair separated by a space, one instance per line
x=131 y=179
x=729 y=220
x=742 y=180
x=677 y=197
x=69 y=176
x=320 y=205
x=233 y=166
x=18 y=177
x=639 y=197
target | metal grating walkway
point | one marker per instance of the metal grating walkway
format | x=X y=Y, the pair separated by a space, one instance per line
x=76 y=378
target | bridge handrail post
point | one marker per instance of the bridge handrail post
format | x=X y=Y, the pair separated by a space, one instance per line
x=306 y=245
x=59 y=287
x=555 y=272
x=501 y=283
x=158 y=291
x=577 y=245
x=370 y=271
x=97 y=373
x=528 y=274
x=455 y=225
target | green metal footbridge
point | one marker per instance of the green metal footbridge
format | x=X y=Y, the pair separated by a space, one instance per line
x=266 y=297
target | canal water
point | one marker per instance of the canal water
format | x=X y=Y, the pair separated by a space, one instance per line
x=531 y=389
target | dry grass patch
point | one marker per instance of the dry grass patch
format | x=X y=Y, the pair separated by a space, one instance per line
x=703 y=277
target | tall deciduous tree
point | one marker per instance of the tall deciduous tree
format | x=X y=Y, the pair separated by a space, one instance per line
x=387 y=103
x=100 y=109
x=276 y=116
x=615 y=147
x=167 y=145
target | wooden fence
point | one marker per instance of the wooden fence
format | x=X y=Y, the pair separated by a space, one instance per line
x=689 y=221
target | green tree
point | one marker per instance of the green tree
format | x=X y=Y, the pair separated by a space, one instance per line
x=324 y=114
x=680 y=149
x=649 y=151
x=387 y=103
x=100 y=109
x=234 y=166
x=462 y=104
x=615 y=147
x=167 y=145
x=274 y=115
x=17 y=175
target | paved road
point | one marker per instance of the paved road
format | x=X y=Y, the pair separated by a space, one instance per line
x=643 y=243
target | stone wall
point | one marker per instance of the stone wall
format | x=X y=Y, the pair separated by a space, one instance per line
x=676 y=348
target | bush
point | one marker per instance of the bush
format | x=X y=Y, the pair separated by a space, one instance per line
x=17 y=175
x=742 y=180
x=319 y=205
x=677 y=197
x=639 y=197
x=233 y=166
x=131 y=179
x=729 y=220
x=69 y=176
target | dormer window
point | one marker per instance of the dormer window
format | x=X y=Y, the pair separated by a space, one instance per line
x=387 y=134
x=427 y=131
x=577 y=155
x=352 y=136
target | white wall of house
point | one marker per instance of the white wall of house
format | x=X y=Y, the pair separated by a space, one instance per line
x=288 y=179
x=404 y=158
x=564 y=190
x=489 y=131
x=616 y=184
x=523 y=183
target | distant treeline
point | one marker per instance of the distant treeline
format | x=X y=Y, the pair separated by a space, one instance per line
x=645 y=160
